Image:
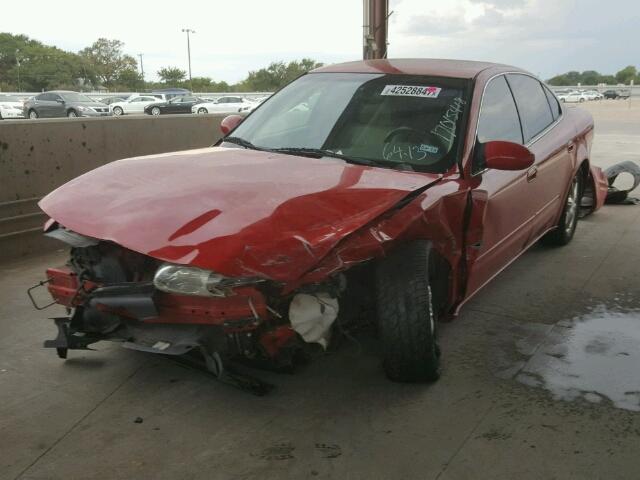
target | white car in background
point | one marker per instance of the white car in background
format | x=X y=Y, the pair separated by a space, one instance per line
x=11 y=107
x=229 y=104
x=134 y=104
x=593 y=95
x=573 y=97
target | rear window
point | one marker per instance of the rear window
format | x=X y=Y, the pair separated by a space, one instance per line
x=533 y=106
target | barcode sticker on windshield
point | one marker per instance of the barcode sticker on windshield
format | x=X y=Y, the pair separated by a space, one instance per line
x=411 y=91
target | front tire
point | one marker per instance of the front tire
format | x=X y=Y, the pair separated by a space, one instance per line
x=117 y=111
x=33 y=114
x=566 y=227
x=155 y=111
x=407 y=321
x=72 y=114
x=202 y=111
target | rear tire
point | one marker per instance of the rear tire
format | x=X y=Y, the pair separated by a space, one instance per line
x=155 y=111
x=72 y=114
x=566 y=227
x=33 y=114
x=407 y=321
x=202 y=111
x=117 y=111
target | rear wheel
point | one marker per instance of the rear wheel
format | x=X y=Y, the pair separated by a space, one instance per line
x=33 y=114
x=117 y=111
x=407 y=320
x=202 y=111
x=566 y=227
x=72 y=114
x=155 y=111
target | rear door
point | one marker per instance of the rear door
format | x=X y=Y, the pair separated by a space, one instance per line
x=45 y=105
x=185 y=104
x=552 y=146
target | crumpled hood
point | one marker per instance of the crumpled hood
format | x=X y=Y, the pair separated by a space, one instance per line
x=235 y=211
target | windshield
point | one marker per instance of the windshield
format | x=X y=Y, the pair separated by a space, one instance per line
x=75 y=97
x=404 y=121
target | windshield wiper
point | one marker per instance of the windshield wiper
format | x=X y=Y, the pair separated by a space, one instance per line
x=242 y=142
x=320 y=152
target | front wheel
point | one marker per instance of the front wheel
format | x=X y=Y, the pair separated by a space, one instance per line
x=33 y=114
x=566 y=227
x=581 y=100
x=202 y=111
x=155 y=111
x=407 y=321
x=117 y=111
x=72 y=114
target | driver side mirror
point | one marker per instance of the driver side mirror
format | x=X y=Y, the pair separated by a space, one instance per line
x=59 y=100
x=229 y=123
x=501 y=155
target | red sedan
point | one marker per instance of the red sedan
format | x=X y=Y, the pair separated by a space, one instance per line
x=398 y=187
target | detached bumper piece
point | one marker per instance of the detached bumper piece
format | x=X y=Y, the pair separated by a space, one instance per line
x=68 y=339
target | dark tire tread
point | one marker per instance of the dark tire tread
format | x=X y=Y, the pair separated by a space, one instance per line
x=404 y=305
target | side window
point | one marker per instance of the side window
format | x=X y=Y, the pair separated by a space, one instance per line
x=44 y=97
x=532 y=103
x=556 y=110
x=498 y=115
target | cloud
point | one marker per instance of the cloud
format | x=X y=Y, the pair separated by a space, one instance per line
x=435 y=25
x=544 y=36
x=502 y=4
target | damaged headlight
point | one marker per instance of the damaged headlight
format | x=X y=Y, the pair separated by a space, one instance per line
x=185 y=280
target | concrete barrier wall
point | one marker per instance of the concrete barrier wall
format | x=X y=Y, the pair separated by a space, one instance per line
x=37 y=156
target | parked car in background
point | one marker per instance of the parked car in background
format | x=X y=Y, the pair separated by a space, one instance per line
x=134 y=104
x=11 y=107
x=110 y=100
x=181 y=104
x=617 y=94
x=229 y=104
x=169 y=93
x=593 y=95
x=389 y=195
x=62 y=103
x=573 y=97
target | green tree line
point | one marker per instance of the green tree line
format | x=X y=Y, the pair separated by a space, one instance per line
x=591 y=77
x=30 y=66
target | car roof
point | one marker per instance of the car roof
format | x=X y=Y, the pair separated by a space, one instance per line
x=467 y=69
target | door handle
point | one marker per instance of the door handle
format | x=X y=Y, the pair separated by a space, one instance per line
x=532 y=173
x=571 y=147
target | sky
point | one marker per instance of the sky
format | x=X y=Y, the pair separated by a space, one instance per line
x=546 y=37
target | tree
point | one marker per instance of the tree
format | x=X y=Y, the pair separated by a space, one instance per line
x=172 y=75
x=130 y=79
x=277 y=75
x=627 y=74
x=108 y=60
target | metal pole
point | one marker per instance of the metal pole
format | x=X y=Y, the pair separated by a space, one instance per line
x=374 y=28
x=188 y=31
x=18 y=64
x=141 y=66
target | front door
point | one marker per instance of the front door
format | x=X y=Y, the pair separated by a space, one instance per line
x=502 y=206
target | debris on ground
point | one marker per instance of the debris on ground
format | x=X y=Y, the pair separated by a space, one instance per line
x=621 y=196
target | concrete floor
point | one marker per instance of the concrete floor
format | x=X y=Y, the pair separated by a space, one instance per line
x=515 y=400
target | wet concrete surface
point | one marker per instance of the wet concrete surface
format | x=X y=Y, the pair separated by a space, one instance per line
x=540 y=381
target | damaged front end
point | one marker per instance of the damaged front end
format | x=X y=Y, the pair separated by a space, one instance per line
x=112 y=293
